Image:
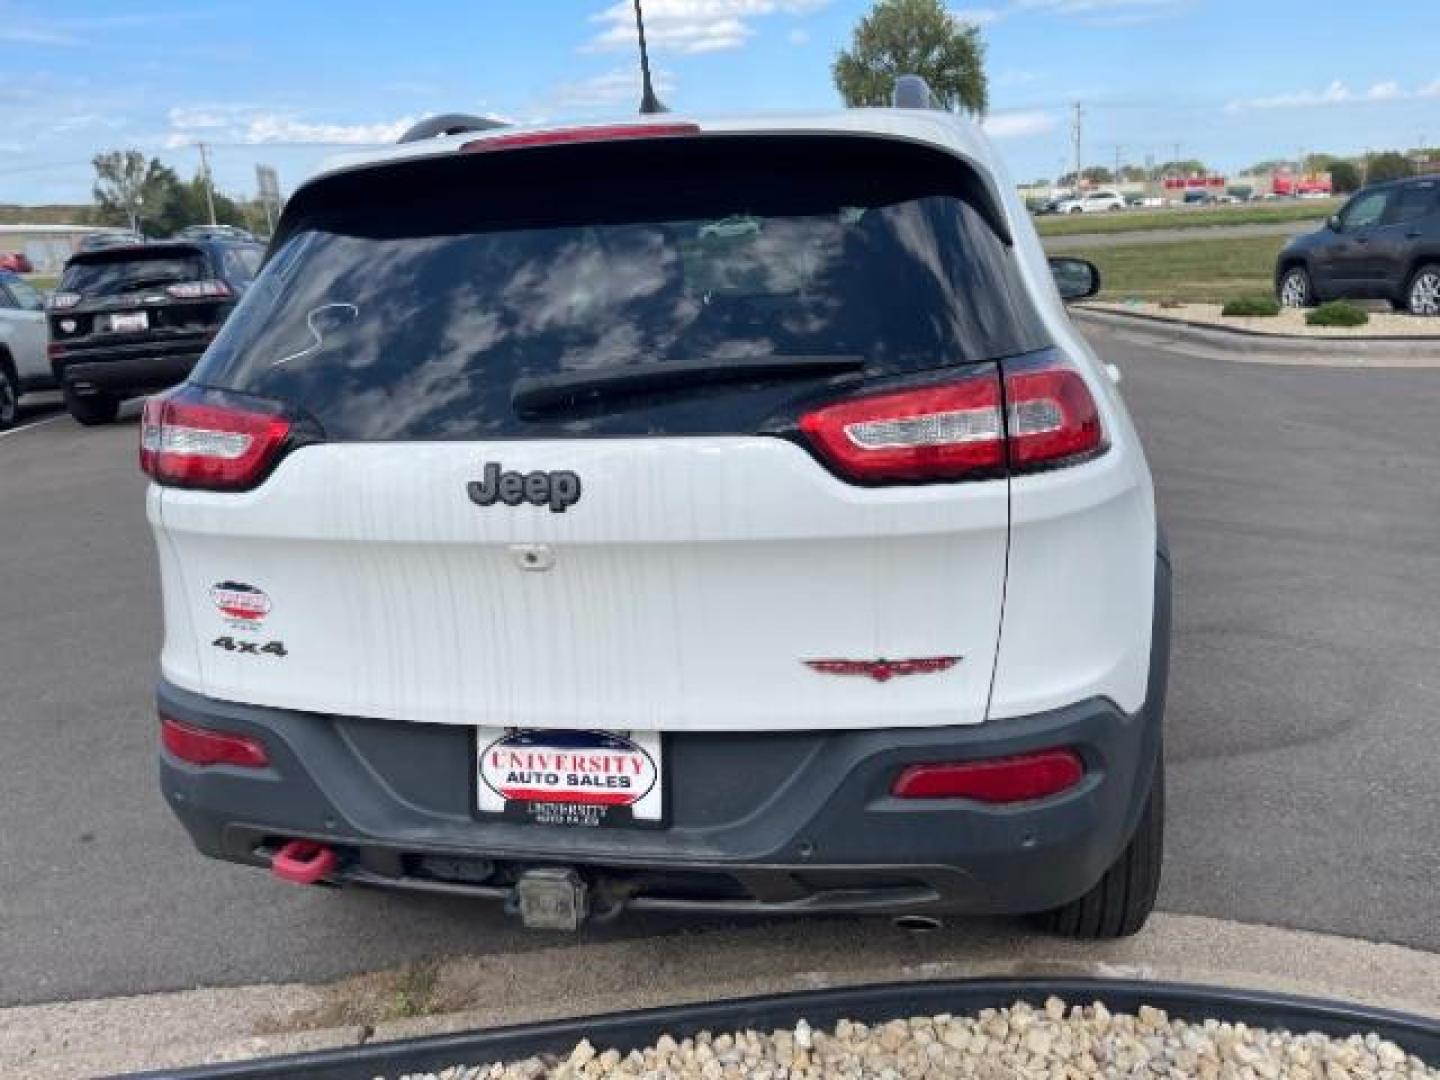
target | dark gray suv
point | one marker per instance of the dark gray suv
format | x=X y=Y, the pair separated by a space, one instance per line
x=1384 y=244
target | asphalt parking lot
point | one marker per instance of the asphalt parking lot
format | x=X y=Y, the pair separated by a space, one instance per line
x=1301 y=505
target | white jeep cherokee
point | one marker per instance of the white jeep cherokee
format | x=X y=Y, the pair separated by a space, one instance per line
x=704 y=516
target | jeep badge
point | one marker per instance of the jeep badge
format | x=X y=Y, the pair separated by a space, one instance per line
x=560 y=490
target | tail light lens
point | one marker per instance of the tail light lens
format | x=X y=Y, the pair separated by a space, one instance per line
x=202 y=746
x=1050 y=415
x=1043 y=417
x=199 y=290
x=1023 y=778
x=948 y=431
x=210 y=440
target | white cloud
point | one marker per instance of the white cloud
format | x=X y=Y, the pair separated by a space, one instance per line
x=1020 y=125
x=1337 y=93
x=614 y=89
x=1095 y=12
x=689 y=26
x=798 y=36
x=980 y=16
x=255 y=124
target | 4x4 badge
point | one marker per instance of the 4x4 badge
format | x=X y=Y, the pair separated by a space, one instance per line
x=560 y=490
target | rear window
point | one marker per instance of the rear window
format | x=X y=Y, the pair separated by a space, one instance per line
x=418 y=321
x=110 y=274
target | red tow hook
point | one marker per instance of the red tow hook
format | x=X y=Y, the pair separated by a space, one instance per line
x=303 y=862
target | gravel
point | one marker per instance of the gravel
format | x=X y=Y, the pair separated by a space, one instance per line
x=1057 y=1042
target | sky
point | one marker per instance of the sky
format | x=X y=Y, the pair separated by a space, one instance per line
x=287 y=83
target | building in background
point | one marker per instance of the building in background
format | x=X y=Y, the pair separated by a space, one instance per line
x=47 y=246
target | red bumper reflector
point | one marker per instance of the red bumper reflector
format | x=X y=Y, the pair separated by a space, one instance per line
x=303 y=862
x=1022 y=778
x=201 y=746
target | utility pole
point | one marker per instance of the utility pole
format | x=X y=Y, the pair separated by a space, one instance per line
x=1079 y=121
x=1118 y=151
x=209 y=180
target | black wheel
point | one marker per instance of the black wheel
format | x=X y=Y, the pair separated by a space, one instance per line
x=9 y=397
x=1422 y=296
x=1119 y=905
x=91 y=410
x=1296 y=289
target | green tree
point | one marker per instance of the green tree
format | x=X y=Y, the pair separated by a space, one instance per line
x=1269 y=165
x=1344 y=177
x=127 y=187
x=913 y=37
x=1187 y=167
x=1388 y=166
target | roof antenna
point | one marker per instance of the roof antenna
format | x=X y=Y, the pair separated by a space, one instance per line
x=649 y=103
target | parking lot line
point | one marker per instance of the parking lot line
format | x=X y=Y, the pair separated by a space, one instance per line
x=31 y=426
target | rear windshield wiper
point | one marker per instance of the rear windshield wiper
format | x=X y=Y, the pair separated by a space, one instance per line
x=544 y=393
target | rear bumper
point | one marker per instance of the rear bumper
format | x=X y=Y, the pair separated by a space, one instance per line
x=129 y=368
x=759 y=823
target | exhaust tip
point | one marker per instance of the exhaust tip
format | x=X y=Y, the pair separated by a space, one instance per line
x=917 y=924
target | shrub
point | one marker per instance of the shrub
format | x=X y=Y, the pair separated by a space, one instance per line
x=1251 y=307
x=1338 y=313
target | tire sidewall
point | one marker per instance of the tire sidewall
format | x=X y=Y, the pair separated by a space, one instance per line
x=9 y=397
x=1409 y=303
x=1303 y=276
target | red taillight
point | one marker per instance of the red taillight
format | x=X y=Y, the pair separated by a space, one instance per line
x=1050 y=417
x=199 y=290
x=603 y=133
x=201 y=746
x=1022 y=778
x=954 y=430
x=949 y=430
x=185 y=442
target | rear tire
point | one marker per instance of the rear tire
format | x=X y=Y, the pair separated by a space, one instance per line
x=1422 y=295
x=1124 y=898
x=92 y=410
x=9 y=397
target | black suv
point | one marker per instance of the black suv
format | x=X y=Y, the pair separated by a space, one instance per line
x=130 y=320
x=1384 y=244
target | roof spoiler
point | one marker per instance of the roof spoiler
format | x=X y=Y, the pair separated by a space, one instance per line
x=448 y=124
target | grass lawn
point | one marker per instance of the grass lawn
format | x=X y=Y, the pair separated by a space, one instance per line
x=42 y=282
x=1197 y=271
x=1180 y=218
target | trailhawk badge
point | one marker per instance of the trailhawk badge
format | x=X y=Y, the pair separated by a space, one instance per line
x=239 y=603
x=570 y=777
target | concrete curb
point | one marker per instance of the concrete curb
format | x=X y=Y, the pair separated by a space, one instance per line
x=1252 y=347
x=580 y=977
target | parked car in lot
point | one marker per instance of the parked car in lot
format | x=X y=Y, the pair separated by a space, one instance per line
x=23 y=364
x=17 y=262
x=578 y=548
x=1094 y=202
x=216 y=232
x=126 y=321
x=1384 y=244
x=108 y=238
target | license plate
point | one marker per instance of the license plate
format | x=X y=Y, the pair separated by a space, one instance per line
x=129 y=322
x=584 y=778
